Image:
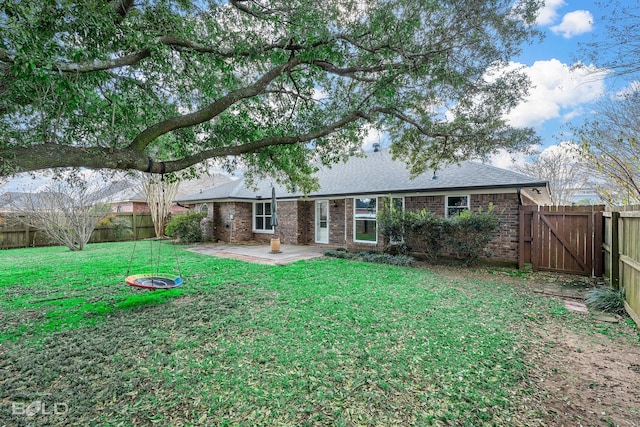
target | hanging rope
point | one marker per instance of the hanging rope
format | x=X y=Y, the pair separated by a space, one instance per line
x=157 y=201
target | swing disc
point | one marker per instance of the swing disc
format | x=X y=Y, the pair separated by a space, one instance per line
x=154 y=281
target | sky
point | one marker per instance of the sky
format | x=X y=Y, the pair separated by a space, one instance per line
x=562 y=94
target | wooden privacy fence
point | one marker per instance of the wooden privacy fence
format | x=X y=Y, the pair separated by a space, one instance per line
x=622 y=255
x=15 y=234
x=564 y=239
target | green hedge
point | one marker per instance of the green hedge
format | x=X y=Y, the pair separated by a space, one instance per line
x=464 y=236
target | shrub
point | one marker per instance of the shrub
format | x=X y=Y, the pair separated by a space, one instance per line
x=185 y=227
x=391 y=221
x=339 y=253
x=367 y=256
x=606 y=299
x=428 y=229
x=467 y=234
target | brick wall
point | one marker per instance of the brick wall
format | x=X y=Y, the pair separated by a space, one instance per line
x=232 y=230
x=306 y=227
x=297 y=222
x=287 y=229
x=336 y=221
x=433 y=204
x=505 y=246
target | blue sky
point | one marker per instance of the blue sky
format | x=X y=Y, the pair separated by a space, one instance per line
x=560 y=93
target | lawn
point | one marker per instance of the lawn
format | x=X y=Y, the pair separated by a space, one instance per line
x=321 y=342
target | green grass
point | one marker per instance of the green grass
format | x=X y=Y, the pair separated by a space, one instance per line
x=322 y=342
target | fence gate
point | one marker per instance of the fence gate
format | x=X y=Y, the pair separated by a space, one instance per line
x=566 y=239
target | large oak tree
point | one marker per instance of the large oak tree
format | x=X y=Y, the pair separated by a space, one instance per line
x=274 y=85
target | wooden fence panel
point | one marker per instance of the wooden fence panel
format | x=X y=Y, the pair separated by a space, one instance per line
x=14 y=234
x=629 y=260
x=525 y=246
x=564 y=239
x=138 y=226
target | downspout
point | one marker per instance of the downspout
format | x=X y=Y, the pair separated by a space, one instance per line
x=519 y=191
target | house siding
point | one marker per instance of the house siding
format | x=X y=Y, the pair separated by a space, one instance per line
x=287 y=228
x=306 y=232
x=237 y=229
x=504 y=247
x=297 y=222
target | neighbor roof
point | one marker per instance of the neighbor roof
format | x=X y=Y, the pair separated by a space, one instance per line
x=378 y=173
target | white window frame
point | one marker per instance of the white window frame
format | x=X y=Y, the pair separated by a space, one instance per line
x=374 y=219
x=458 y=208
x=204 y=209
x=263 y=216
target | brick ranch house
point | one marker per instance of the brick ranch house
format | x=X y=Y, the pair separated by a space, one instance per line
x=342 y=213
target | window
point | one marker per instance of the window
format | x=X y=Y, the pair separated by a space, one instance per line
x=365 y=220
x=262 y=217
x=457 y=204
x=204 y=209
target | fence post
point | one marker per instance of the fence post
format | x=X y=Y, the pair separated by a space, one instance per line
x=598 y=235
x=535 y=242
x=615 y=250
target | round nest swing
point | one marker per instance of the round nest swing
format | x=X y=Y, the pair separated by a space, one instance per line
x=154 y=281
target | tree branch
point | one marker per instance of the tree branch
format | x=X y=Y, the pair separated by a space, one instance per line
x=210 y=111
x=57 y=156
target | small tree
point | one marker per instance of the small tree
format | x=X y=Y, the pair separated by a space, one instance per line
x=66 y=212
x=611 y=148
x=160 y=194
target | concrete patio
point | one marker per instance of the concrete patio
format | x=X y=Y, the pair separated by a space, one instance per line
x=261 y=253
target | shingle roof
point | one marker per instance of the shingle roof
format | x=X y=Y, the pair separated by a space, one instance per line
x=378 y=173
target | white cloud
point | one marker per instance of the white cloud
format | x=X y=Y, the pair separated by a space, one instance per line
x=549 y=12
x=506 y=160
x=374 y=136
x=319 y=95
x=574 y=23
x=629 y=90
x=566 y=149
x=557 y=90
